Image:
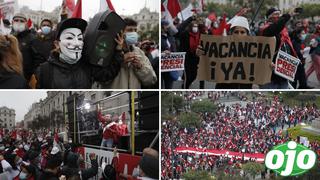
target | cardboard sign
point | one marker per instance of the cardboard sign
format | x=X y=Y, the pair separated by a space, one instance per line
x=172 y=61
x=236 y=59
x=286 y=65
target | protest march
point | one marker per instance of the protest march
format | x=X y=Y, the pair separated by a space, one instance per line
x=243 y=128
x=80 y=138
x=236 y=45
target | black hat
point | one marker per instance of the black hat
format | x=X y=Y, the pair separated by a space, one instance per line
x=150 y=166
x=71 y=23
x=270 y=11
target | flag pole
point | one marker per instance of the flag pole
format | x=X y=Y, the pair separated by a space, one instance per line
x=256 y=13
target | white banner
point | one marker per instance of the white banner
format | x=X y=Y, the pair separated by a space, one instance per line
x=286 y=65
x=172 y=61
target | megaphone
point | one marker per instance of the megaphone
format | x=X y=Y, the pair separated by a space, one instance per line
x=99 y=37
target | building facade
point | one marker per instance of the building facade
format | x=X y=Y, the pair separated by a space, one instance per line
x=7 y=117
x=146 y=19
x=37 y=16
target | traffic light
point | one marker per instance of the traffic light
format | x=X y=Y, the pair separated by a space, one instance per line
x=99 y=37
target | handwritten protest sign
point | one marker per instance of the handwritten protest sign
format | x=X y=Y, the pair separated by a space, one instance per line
x=172 y=61
x=286 y=65
x=236 y=59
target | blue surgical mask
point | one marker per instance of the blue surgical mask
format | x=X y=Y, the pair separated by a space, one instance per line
x=22 y=175
x=45 y=30
x=303 y=37
x=132 y=38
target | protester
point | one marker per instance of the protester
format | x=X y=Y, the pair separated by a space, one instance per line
x=315 y=54
x=51 y=172
x=298 y=37
x=136 y=70
x=189 y=36
x=11 y=68
x=276 y=26
x=26 y=44
x=44 y=41
x=239 y=26
x=67 y=68
x=27 y=172
x=71 y=167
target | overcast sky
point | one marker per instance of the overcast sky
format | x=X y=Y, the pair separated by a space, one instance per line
x=91 y=7
x=20 y=101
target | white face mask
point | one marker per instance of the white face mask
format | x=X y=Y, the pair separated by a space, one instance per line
x=19 y=27
x=194 y=29
x=71 y=44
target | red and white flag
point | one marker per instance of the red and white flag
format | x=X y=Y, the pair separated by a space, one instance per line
x=106 y=5
x=77 y=13
x=30 y=23
x=69 y=5
x=173 y=7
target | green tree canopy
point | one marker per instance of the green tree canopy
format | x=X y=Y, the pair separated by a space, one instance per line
x=189 y=119
x=203 y=106
x=193 y=175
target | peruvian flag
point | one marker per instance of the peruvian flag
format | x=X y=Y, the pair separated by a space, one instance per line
x=106 y=5
x=173 y=7
x=69 y=5
x=30 y=23
x=77 y=13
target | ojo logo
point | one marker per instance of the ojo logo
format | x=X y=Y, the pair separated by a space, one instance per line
x=290 y=159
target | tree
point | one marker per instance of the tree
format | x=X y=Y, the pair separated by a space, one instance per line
x=253 y=168
x=171 y=102
x=193 y=175
x=310 y=10
x=203 y=106
x=189 y=119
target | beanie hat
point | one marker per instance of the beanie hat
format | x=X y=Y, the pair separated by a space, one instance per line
x=240 y=21
x=270 y=11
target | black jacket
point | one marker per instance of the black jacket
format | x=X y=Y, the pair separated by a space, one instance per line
x=43 y=45
x=274 y=30
x=72 y=167
x=12 y=81
x=56 y=74
x=48 y=176
x=30 y=56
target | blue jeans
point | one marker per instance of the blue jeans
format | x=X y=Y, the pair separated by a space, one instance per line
x=107 y=143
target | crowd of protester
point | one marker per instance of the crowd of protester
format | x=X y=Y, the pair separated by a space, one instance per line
x=30 y=155
x=252 y=127
x=51 y=58
x=294 y=35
